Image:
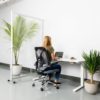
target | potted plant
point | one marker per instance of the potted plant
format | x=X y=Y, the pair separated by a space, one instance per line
x=20 y=31
x=92 y=64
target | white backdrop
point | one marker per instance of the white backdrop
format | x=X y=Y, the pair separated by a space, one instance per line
x=74 y=25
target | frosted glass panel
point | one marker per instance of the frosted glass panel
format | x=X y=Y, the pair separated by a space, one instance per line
x=27 y=53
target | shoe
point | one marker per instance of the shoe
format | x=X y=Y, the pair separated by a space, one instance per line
x=52 y=81
x=57 y=82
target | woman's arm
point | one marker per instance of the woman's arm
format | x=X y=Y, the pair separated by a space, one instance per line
x=53 y=56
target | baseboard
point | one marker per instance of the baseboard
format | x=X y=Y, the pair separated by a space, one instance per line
x=33 y=70
x=70 y=77
x=23 y=68
x=4 y=64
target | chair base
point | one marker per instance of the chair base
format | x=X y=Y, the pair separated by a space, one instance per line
x=44 y=82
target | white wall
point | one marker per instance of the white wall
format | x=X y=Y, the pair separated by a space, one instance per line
x=72 y=24
x=4 y=39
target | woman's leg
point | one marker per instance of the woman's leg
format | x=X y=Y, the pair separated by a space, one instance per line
x=50 y=75
x=57 y=74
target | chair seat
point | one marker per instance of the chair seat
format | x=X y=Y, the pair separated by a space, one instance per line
x=48 y=72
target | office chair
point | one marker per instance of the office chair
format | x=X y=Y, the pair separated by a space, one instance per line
x=43 y=60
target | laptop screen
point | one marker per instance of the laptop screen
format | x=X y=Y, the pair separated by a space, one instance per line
x=59 y=54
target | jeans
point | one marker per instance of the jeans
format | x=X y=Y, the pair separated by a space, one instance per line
x=53 y=67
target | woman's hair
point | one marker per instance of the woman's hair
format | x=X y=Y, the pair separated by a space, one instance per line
x=47 y=41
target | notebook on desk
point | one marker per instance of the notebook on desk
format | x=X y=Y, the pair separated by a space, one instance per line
x=59 y=54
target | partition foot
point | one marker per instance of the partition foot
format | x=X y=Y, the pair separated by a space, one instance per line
x=77 y=88
x=14 y=82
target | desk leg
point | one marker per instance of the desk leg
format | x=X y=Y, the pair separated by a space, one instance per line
x=81 y=80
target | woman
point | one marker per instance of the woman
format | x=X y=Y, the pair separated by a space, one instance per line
x=47 y=45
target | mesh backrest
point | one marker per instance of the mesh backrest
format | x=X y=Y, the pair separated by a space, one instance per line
x=43 y=57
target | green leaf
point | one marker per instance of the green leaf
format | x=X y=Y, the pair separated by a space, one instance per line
x=92 y=61
x=22 y=30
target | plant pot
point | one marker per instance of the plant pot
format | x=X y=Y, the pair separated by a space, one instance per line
x=91 y=88
x=16 y=69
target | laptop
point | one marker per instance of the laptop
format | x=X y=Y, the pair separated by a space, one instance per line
x=59 y=54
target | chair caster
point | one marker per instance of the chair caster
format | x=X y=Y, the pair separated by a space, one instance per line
x=42 y=89
x=14 y=82
x=8 y=80
x=57 y=87
x=33 y=84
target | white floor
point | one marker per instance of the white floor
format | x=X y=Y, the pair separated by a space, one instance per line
x=23 y=90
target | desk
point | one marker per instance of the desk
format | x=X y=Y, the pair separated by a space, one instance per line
x=72 y=61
